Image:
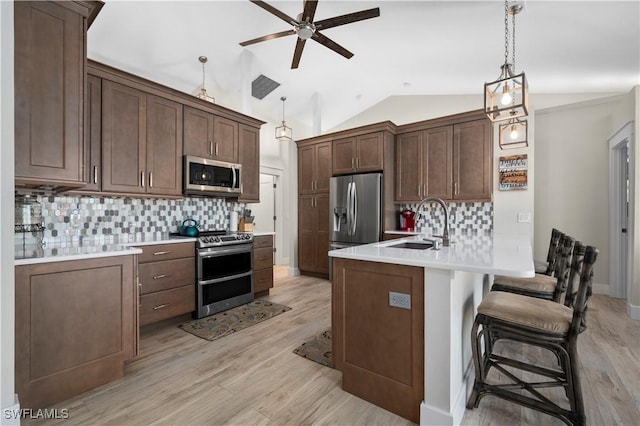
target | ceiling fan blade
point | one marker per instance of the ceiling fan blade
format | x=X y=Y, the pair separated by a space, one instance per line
x=297 y=53
x=267 y=37
x=288 y=19
x=347 y=19
x=327 y=42
x=309 y=10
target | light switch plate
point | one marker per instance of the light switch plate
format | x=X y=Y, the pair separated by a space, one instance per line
x=400 y=300
x=524 y=217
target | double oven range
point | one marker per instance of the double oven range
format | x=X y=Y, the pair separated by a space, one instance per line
x=224 y=271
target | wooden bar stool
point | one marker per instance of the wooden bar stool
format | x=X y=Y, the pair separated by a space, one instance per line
x=548 y=268
x=542 y=286
x=540 y=323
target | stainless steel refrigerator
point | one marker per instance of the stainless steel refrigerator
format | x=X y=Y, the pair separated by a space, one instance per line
x=355 y=206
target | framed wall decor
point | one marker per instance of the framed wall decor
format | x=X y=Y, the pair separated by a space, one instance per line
x=513 y=172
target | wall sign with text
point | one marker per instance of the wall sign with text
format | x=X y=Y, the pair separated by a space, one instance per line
x=513 y=172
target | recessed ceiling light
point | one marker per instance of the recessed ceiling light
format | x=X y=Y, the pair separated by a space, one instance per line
x=406 y=84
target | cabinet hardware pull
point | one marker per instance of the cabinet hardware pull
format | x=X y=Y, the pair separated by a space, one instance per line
x=150 y=179
x=424 y=190
x=157 y=277
x=216 y=149
x=358 y=163
x=352 y=163
x=142 y=179
x=155 y=308
x=455 y=188
x=159 y=253
x=210 y=147
x=95 y=174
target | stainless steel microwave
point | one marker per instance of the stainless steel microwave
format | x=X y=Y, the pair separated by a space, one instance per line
x=203 y=176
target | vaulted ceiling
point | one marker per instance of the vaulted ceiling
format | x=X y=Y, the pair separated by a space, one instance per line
x=413 y=48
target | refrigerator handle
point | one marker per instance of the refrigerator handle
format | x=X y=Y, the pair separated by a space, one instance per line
x=349 y=208
x=354 y=204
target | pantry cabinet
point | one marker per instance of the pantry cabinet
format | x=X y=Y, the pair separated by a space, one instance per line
x=141 y=142
x=314 y=167
x=50 y=56
x=313 y=233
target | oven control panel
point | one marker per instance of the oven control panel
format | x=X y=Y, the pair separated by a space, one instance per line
x=221 y=240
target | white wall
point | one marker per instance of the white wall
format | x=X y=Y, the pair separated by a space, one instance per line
x=635 y=209
x=572 y=176
x=6 y=212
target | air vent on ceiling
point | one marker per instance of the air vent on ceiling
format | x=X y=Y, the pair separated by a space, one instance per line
x=262 y=86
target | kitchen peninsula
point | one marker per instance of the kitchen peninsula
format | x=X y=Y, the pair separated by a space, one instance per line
x=401 y=318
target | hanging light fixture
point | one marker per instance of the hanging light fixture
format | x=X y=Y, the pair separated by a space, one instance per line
x=507 y=97
x=283 y=133
x=203 y=92
x=513 y=133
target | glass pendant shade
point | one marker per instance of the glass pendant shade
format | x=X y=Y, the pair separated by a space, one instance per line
x=513 y=134
x=284 y=133
x=507 y=97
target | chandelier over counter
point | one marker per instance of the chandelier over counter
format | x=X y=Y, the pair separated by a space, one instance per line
x=507 y=98
x=284 y=133
x=203 y=92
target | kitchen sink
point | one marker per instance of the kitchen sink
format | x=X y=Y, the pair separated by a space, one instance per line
x=413 y=245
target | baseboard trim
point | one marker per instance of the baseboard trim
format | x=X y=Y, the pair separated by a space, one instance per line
x=293 y=271
x=633 y=311
x=12 y=415
x=434 y=416
x=600 y=288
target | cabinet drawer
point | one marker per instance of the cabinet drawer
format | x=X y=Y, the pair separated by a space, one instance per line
x=262 y=280
x=166 y=304
x=157 y=276
x=262 y=258
x=262 y=241
x=166 y=251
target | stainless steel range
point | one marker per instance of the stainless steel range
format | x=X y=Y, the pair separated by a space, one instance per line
x=224 y=271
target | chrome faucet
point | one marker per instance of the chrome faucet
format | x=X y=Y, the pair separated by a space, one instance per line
x=445 y=233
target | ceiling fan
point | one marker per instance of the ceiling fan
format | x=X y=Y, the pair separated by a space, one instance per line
x=306 y=28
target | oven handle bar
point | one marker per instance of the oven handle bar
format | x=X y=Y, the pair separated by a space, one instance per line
x=227 y=278
x=204 y=253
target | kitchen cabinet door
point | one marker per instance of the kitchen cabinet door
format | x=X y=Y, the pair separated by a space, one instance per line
x=93 y=135
x=344 y=156
x=249 y=158
x=198 y=133
x=472 y=160
x=124 y=113
x=409 y=167
x=437 y=175
x=164 y=146
x=370 y=153
x=49 y=93
x=314 y=168
x=313 y=233
x=225 y=139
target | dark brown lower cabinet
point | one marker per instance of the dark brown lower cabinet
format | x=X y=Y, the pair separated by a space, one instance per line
x=75 y=325
x=379 y=348
x=313 y=234
x=262 y=264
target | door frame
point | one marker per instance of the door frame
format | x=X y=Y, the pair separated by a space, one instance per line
x=620 y=245
x=278 y=240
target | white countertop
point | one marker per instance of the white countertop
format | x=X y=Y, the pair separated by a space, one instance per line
x=509 y=255
x=31 y=254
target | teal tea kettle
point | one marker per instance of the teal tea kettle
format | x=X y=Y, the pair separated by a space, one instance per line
x=189 y=228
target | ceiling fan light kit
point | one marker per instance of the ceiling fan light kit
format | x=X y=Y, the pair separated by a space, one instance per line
x=507 y=98
x=306 y=28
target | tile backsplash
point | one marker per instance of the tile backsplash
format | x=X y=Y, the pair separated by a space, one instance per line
x=463 y=217
x=71 y=219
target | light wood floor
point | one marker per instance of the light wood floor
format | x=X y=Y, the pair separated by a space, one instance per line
x=252 y=377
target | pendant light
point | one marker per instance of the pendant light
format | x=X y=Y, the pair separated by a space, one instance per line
x=507 y=97
x=513 y=133
x=284 y=133
x=203 y=92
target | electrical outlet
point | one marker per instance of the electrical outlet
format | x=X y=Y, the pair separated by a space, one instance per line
x=400 y=300
x=524 y=217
